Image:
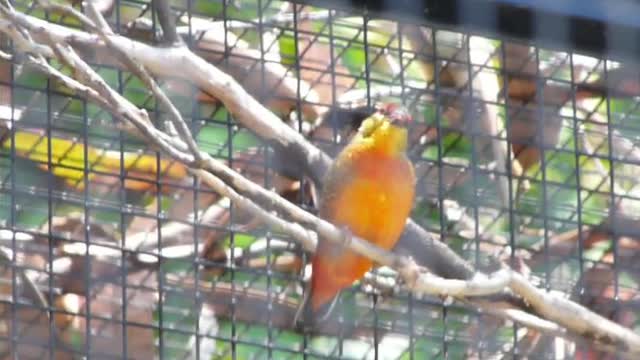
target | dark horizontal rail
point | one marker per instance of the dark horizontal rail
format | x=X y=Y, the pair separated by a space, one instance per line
x=599 y=28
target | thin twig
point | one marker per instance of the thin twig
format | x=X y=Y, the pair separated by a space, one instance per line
x=307 y=238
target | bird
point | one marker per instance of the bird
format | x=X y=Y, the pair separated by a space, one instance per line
x=368 y=191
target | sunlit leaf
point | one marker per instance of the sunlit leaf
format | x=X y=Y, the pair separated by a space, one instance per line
x=67 y=158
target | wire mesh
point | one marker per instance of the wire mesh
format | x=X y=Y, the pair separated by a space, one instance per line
x=524 y=154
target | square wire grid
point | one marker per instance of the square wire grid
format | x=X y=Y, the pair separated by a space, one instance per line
x=136 y=259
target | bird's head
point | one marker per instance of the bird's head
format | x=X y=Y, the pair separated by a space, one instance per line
x=385 y=130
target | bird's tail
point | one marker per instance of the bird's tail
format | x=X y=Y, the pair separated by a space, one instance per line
x=320 y=296
x=324 y=284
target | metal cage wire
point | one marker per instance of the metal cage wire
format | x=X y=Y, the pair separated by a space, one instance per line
x=90 y=213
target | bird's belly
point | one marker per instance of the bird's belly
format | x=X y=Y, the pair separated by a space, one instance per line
x=373 y=201
x=375 y=209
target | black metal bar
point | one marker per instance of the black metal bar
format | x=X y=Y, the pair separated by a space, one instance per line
x=596 y=28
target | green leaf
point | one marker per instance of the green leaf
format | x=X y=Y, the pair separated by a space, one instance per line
x=453 y=146
x=247 y=11
x=243 y=140
x=31 y=79
x=354 y=59
x=240 y=240
x=352 y=28
x=287 y=45
x=213 y=138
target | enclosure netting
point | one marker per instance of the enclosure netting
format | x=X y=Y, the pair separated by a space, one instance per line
x=525 y=156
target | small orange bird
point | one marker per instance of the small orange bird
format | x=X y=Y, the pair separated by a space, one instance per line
x=369 y=190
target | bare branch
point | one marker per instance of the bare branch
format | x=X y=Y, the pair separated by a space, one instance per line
x=574 y=316
x=305 y=237
x=478 y=286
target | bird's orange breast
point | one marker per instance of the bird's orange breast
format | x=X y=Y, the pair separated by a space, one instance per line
x=371 y=196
